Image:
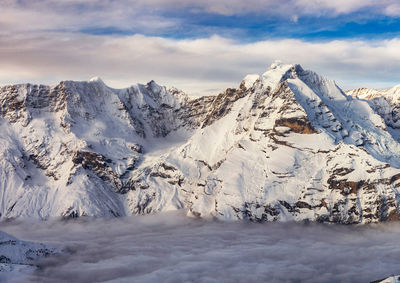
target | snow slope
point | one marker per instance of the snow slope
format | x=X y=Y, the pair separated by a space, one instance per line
x=385 y=102
x=17 y=256
x=286 y=145
x=392 y=279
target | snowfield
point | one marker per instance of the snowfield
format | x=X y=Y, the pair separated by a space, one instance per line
x=18 y=257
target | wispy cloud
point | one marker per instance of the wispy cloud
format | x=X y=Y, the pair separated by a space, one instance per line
x=75 y=16
x=174 y=16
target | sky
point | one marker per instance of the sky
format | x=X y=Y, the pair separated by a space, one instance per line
x=199 y=46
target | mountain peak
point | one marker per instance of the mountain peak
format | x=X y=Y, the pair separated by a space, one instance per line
x=249 y=80
x=96 y=79
x=277 y=64
x=275 y=73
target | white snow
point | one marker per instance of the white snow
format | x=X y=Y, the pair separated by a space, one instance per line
x=17 y=257
x=250 y=79
x=153 y=156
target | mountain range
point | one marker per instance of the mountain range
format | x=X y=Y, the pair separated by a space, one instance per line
x=285 y=145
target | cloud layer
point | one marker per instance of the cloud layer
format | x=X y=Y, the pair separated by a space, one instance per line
x=172 y=248
x=198 y=66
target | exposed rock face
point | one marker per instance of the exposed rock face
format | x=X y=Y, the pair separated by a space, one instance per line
x=286 y=145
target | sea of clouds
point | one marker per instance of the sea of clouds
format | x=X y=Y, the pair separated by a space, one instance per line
x=173 y=248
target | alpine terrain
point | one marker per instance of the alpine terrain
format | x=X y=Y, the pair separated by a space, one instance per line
x=285 y=145
x=17 y=256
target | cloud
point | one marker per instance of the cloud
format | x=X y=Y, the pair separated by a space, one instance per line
x=75 y=16
x=339 y=6
x=172 y=248
x=288 y=8
x=393 y=9
x=162 y=16
x=198 y=66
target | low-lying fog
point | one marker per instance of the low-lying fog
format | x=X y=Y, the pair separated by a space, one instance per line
x=173 y=248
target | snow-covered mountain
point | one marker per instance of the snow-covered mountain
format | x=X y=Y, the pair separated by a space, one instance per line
x=391 y=279
x=17 y=255
x=286 y=145
x=385 y=102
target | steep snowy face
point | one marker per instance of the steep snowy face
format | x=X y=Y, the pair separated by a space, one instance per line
x=66 y=150
x=391 y=279
x=385 y=102
x=286 y=145
x=293 y=147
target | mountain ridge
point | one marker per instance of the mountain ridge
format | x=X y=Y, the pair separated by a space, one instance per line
x=285 y=145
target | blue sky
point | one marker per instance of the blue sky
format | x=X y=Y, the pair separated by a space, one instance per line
x=199 y=46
